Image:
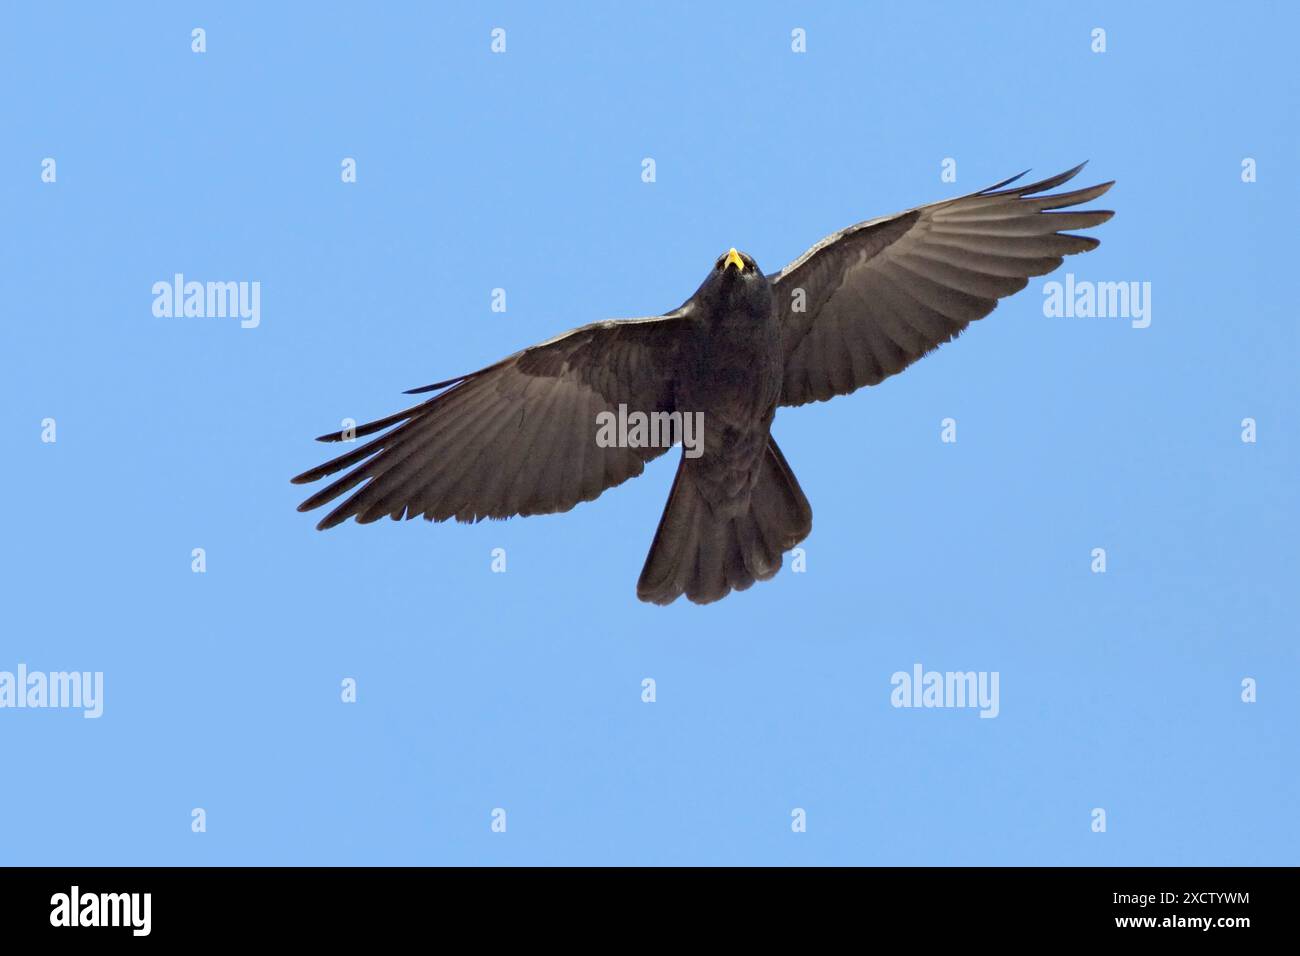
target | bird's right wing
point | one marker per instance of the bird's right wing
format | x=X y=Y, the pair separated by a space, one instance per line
x=515 y=438
x=868 y=301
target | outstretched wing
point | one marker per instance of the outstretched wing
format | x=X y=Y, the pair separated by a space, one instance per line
x=877 y=296
x=516 y=438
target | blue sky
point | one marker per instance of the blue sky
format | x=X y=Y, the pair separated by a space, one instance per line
x=523 y=690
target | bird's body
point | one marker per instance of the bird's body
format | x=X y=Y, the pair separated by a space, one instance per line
x=521 y=437
x=731 y=373
x=733 y=510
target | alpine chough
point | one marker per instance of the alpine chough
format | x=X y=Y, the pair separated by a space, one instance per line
x=521 y=437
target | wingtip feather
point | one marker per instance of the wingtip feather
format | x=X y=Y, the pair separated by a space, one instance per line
x=435 y=386
x=1006 y=182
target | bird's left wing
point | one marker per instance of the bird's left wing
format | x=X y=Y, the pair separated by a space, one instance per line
x=868 y=301
x=515 y=438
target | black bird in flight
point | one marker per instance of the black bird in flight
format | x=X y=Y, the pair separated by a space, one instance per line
x=520 y=437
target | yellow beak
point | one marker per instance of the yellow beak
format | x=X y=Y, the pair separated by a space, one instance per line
x=733 y=259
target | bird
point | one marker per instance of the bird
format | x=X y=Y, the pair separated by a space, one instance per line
x=519 y=437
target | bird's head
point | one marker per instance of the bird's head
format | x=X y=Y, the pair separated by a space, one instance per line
x=736 y=281
x=733 y=264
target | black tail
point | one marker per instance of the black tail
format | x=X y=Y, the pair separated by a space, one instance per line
x=706 y=556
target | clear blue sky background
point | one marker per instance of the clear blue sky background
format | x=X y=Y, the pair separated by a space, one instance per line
x=523 y=690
